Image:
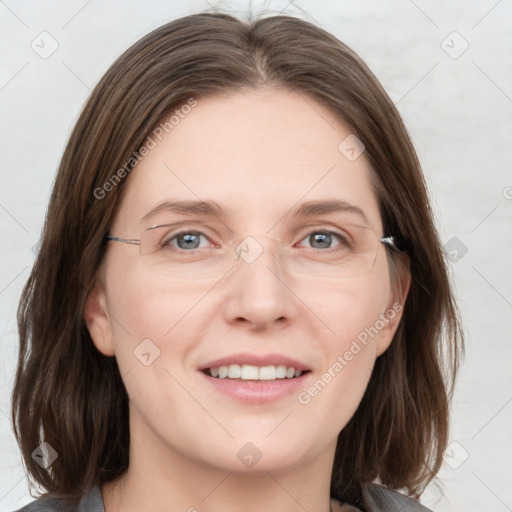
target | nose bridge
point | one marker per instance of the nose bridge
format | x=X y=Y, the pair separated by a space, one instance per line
x=257 y=292
x=261 y=247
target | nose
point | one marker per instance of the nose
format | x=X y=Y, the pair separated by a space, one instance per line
x=257 y=292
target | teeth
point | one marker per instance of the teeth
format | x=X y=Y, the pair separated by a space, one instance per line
x=267 y=373
x=250 y=372
x=281 y=371
x=234 y=371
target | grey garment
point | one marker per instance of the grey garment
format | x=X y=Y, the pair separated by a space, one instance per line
x=90 y=502
x=380 y=498
x=385 y=500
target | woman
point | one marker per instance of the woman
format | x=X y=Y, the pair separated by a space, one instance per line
x=240 y=301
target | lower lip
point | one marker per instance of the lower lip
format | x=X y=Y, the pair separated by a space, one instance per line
x=260 y=391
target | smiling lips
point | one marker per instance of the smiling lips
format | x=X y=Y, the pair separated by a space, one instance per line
x=247 y=366
x=254 y=378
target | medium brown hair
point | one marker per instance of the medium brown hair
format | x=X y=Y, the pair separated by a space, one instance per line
x=70 y=395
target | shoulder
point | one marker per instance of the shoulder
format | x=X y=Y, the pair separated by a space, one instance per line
x=44 y=504
x=92 y=501
x=383 y=499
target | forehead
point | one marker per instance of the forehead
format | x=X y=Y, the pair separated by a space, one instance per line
x=257 y=153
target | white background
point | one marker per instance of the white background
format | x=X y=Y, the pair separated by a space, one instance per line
x=458 y=111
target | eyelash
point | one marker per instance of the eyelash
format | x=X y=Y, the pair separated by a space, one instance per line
x=341 y=238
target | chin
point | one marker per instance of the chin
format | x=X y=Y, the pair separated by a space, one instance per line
x=255 y=454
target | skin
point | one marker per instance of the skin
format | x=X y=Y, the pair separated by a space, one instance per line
x=258 y=153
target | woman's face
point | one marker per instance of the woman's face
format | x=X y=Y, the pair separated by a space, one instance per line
x=259 y=155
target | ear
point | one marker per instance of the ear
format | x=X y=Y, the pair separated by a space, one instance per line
x=400 y=275
x=98 y=320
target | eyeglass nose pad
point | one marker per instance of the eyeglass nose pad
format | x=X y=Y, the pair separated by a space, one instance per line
x=250 y=249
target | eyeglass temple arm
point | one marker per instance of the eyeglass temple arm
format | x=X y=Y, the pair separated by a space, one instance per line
x=390 y=242
x=133 y=241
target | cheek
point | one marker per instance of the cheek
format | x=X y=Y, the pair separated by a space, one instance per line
x=148 y=315
x=153 y=327
x=349 y=309
x=146 y=305
x=353 y=318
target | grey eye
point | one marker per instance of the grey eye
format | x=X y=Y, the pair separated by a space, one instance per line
x=322 y=240
x=187 y=240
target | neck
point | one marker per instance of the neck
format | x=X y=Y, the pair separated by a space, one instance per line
x=160 y=478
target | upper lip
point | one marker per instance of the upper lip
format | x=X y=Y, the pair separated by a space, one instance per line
x=256 y=360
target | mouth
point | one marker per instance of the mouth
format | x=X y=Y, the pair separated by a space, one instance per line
x=247 y=372
x=256 y=379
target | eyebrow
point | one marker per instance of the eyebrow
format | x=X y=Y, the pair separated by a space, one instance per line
x=313 y=208
x=213 y=209
x=205 y=208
